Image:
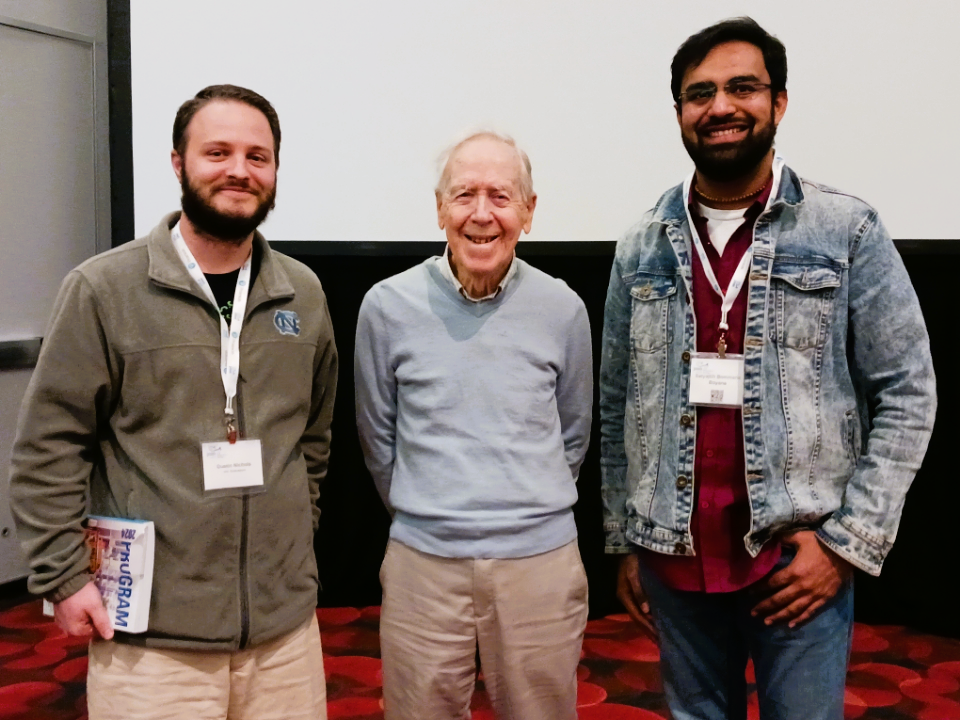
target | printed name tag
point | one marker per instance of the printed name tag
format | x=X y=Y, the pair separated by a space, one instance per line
x=227 y=466
x=716 y=381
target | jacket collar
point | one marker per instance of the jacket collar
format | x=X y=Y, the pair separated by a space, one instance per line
x=165 y=267
x=670 y=208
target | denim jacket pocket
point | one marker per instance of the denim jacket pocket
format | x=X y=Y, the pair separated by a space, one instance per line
x=802 y=303
x=803 y=294
x=851 y=434
x=649 y=323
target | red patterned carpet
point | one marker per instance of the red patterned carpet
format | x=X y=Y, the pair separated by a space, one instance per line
x=895 y=674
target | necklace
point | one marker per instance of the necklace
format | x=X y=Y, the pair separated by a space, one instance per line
x=700 y=192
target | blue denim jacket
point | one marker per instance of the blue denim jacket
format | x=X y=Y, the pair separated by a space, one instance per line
x=839 y=394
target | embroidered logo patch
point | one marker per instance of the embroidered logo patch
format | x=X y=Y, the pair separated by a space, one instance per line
x=287 y=322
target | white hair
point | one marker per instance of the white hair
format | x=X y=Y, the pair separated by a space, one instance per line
x=443 y=162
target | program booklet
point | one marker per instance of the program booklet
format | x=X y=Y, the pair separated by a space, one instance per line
x=121 y=560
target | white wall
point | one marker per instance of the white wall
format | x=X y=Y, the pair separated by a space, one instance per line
x=369 y=92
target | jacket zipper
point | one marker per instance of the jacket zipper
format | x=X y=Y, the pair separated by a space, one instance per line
x=244 y=532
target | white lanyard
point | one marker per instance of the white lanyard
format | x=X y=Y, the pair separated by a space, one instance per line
x=229 y=336
x=729 y=297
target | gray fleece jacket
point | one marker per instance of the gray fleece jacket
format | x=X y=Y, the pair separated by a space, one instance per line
x=127 y=388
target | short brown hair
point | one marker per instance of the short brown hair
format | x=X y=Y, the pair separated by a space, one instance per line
x=233 y=93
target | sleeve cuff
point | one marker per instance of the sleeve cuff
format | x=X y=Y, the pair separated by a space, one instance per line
x=70 y=587
x=842 y=536
x=616 y=539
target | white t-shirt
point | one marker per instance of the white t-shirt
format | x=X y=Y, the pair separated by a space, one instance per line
x=721 y=224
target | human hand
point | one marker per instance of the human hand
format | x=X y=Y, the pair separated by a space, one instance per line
x=795 y=593
x=631 y=594
x=83 y=613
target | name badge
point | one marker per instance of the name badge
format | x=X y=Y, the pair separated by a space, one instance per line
x=232 y=465
x=716 y=381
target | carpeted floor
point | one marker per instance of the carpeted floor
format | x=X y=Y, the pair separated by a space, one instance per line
x=894 y=674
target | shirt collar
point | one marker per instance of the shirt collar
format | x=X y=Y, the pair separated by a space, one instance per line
x=443 y=263
x=751 y=212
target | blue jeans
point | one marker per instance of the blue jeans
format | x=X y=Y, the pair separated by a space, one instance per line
x=705 y=639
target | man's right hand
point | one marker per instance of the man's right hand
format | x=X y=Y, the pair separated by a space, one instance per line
x=630 y=593
x=83 y=613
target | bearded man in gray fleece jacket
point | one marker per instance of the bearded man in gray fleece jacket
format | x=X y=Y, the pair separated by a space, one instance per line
x=146 y=344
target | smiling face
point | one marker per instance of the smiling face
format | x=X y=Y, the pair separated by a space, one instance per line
x=228 y=172
x=728 y=138
x=482 y=208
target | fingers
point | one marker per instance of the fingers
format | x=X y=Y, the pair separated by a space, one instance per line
x=74 y=626
x=83 y=613
x=776 y=603
x=788 y=612
x=638 y=612
x=630 y=567
x=101 y=621
x=631 y=606
x=811 y=610
x=630 y=593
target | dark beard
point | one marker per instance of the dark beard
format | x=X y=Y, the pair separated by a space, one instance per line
x=210 y=221
x=732 y=163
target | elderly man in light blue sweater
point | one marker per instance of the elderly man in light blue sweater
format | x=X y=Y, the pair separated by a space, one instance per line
x=474 y=395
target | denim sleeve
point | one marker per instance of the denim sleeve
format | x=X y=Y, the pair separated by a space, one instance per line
x=889 y=355
x=575 y=390
x=376 y=395
x=614 y=377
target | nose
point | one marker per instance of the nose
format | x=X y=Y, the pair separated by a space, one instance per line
x=721 y=105
x=238 y=166
x=482 y=208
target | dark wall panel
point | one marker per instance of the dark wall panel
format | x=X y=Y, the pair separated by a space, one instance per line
x=915 y=588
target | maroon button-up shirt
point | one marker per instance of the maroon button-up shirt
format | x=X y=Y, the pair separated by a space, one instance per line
x=721 y=512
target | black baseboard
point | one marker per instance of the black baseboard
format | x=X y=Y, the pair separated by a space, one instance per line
x=14 y=593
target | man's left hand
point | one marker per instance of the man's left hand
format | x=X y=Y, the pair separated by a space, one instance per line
x=795 y=593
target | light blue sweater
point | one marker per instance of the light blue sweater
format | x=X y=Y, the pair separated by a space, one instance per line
x=475 y=417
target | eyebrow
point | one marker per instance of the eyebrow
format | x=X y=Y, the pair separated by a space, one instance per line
x=474 y=187
x=699 y=85
x=710 y=83
x=226 y=143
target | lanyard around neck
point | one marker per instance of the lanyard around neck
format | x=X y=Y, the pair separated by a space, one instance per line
x=729 y=296
x=229 y=336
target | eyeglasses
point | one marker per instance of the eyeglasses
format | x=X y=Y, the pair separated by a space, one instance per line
x=703 y=93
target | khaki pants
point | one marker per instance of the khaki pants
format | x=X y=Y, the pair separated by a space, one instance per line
x=527 y=615
x=279 y=680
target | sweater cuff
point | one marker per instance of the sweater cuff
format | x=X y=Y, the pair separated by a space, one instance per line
x=70 y=587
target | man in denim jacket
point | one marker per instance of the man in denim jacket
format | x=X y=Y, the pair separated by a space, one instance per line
x=741 y=507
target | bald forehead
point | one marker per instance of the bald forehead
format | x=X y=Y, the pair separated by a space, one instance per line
x=485 y=146
x=489 y=150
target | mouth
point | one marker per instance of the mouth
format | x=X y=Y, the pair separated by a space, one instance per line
x=726 y=133
x=481 y=239
x=232 y=189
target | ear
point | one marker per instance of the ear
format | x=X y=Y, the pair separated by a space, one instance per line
x=676 y=106
x=177 y=162
x=531 y=206
x=439 y=209
x=779 y=107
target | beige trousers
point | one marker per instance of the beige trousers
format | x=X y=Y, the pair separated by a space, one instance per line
x=279 y=680
x=527 y=615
